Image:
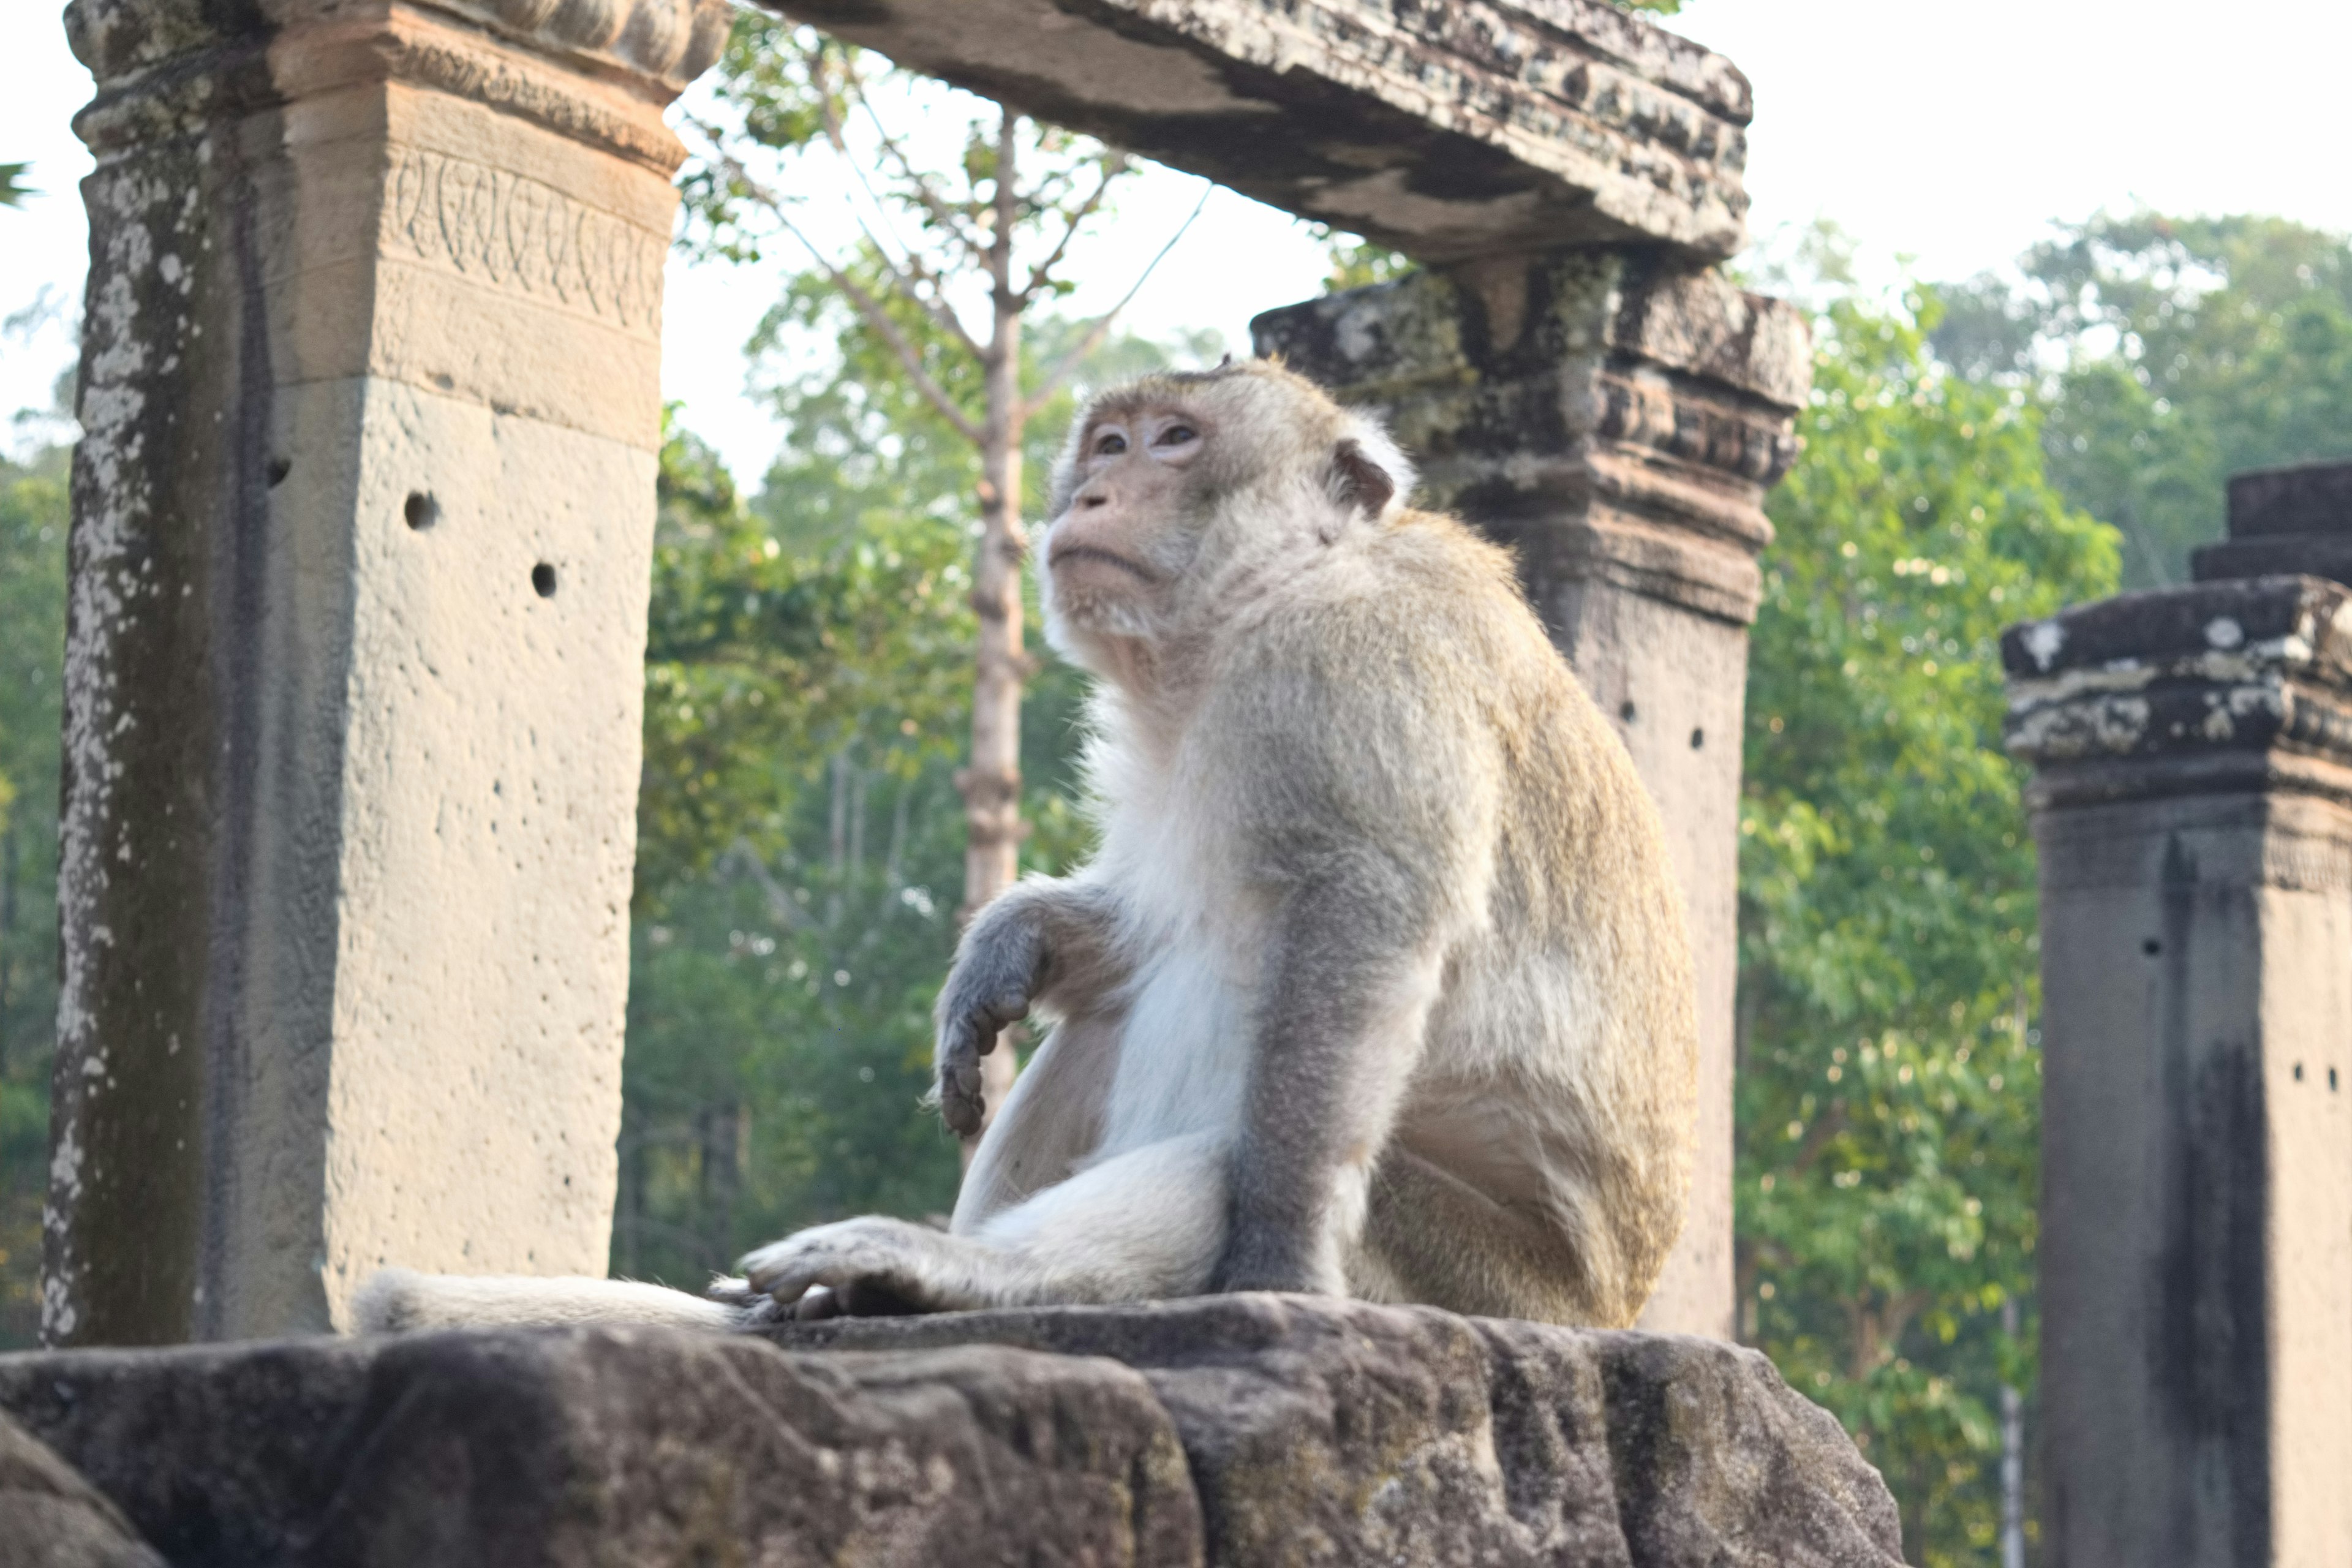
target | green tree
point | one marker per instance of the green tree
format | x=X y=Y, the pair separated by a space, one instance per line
x=1889 y=1080
x=954 y=257
x=33 y=521
x=2172 y=352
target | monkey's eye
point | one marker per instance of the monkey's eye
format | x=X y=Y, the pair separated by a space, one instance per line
x=1109 y=444
x=1177 y=435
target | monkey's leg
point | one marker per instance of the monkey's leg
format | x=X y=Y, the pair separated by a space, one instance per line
x=1433 y=1239
x=1343 y=1020
x=1145 y=1223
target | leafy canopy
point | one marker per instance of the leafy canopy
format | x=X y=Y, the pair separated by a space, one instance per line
x=1888 y=1096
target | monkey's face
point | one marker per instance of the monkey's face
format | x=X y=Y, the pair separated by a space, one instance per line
x=1119 y=547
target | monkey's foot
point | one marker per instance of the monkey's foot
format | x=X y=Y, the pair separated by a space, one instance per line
x=872 y=1266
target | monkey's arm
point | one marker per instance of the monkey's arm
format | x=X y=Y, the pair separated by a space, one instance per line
x=1362 y=829
x=1346 y=996
x=1047 y=942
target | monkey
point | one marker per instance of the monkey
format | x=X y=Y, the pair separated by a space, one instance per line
x=1378 y=984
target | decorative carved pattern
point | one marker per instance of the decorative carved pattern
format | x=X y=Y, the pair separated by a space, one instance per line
x=518 y=233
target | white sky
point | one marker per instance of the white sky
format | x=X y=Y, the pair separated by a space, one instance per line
x=1946 y=132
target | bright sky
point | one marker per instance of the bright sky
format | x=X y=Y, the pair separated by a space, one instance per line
x=1945 y=131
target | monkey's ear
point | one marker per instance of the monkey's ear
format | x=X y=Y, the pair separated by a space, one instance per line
x=1359 y=481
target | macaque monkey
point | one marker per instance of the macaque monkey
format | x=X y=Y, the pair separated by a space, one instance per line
x=1378 y=985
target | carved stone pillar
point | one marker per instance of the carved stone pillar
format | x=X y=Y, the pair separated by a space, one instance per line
x=2192 y=801
x=362 y=515
x=1615 y=416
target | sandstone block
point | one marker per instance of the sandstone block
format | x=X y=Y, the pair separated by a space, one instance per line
x=1453 y=130
x=51 y=1517
x=1241 y=1430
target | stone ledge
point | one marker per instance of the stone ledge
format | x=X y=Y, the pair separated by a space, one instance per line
x=1227 y=1430
x=1450 y=130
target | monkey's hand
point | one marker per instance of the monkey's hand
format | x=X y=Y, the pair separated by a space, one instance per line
x=873 y=1266
x=988 y=990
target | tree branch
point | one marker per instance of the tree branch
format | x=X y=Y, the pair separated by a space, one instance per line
x=1042 y=274
x=889 y=332
x=1069 y=362
x=942 y=211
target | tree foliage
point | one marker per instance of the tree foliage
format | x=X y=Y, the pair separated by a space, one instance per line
x=33 y=519
x=1889 y=1088
x=2172 y=352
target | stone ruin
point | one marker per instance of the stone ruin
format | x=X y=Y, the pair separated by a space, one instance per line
x=359 y=569
x=2192 y=802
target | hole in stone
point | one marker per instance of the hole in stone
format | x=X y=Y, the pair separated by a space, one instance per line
x=1698 y=739
x=542 y=577
x=421 y=510
x=2151 y=947
x=2298 y=1072
x=1625 y=710
x=277 y=470
x=2331 y=1081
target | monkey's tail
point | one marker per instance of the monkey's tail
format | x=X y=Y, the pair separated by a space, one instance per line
x=400 y=1301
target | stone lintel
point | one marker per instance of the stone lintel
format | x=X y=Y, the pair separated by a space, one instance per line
x=2223 y=686
x=1445 y=131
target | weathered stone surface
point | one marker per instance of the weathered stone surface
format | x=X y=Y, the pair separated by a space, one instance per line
x=2282 y=520
x=1615 y=417
x=51 y=1517
x=2192 y=800
x=362 y=517
x=1241 y=1430
x=2239 y=684
x=1342 y=1433
x=1447 y=130
x=620 y=1447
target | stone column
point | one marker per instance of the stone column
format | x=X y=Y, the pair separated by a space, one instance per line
x=1615 y=416
x=2192 y=801
x=362 y=514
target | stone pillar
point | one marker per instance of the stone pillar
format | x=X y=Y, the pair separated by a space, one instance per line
x=2192 y=801
x=1615 y=415
x=362 y=514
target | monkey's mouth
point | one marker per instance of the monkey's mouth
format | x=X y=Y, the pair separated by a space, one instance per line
x=1134 y=569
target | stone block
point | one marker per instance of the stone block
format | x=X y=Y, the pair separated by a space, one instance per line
x=363 y=528
x=1448 y=132
x=51 y=1517
x=1239 y=1430
x=2283 y=521
x=2192 y=800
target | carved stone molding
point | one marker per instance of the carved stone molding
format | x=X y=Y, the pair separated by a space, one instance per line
x=2240 y=685
x=1609 y=413
x=597 y=70
x=512 y=231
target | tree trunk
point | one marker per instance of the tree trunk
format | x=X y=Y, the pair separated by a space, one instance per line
x=990 y=786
